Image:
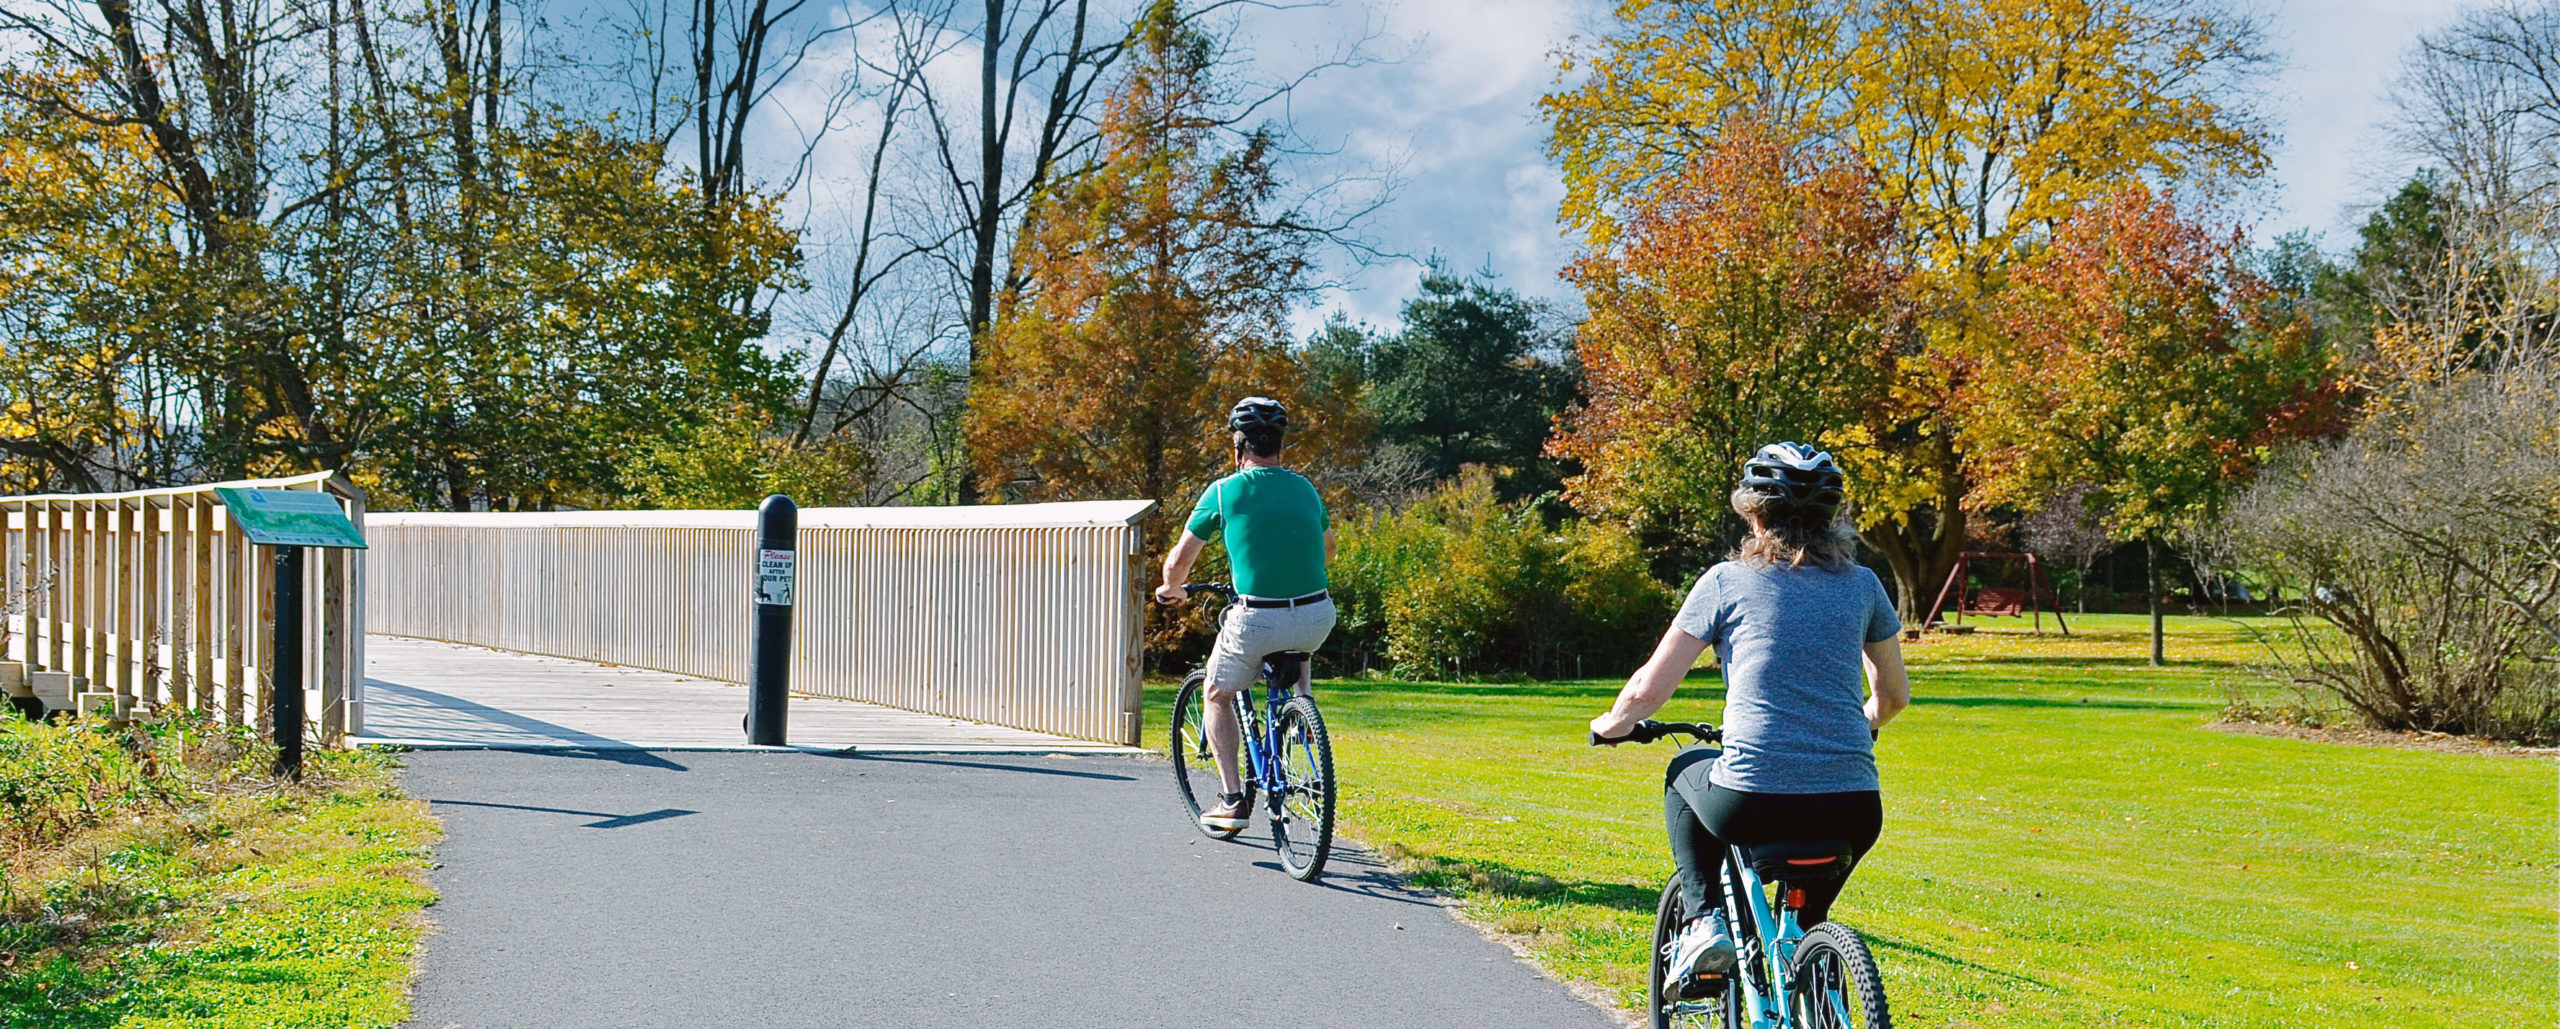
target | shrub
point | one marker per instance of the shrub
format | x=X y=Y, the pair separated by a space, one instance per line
x=63 y=776
x=1459 y=583
x=2424 y=550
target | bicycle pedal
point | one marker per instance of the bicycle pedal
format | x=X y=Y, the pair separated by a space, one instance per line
x=1701 y=987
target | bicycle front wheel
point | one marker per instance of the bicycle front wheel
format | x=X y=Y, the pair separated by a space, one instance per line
x=1302 y=801
x=1836 y=985
x=1195 y=769
x=1669 y=1009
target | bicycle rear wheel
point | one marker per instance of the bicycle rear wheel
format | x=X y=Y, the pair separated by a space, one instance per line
x=1302 y=801
x=1667 y=1008
x=1835 y=984
x=1195 y=769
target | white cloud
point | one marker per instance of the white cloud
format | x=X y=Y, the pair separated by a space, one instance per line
x=1474 y=52
x=2341 y=57
x=1455 y=112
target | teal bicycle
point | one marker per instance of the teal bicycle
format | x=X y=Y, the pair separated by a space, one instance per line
x=1287 y=760
x=1786 y=977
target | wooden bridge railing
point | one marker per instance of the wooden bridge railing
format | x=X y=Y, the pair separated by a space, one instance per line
x=1024 y=615
x=150 y=599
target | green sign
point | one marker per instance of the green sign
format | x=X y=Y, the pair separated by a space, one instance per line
x=290 y=518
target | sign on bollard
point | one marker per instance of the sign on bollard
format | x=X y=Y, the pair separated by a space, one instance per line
x=777 y=566
x=774 y=572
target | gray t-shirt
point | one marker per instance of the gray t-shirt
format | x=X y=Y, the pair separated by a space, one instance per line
x=1792 y=642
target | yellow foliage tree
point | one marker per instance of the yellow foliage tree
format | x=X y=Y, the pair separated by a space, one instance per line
x=1984 y=121
x=89 y=292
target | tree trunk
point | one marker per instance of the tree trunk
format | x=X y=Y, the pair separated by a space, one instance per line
x=2151 y=561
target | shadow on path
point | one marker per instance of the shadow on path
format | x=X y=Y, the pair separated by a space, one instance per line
x=495 y=716
x=987 y=766
x=610 y=820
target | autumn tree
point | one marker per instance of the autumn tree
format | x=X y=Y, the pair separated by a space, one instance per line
x=1157 y=287
x=89 y=302
x=1984 y=121
x=1749 y=297
x=2132 y=359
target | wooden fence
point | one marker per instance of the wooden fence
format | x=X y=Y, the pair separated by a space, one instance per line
x=149 y=600
x=1022 y=615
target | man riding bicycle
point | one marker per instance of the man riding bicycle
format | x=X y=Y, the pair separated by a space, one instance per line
x=1278 y=541
x=1801 y=630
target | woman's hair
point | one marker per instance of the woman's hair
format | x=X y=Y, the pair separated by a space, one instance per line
x=1791 y=535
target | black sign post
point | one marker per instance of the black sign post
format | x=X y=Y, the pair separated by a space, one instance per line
x=777 y=569
x=284 y=697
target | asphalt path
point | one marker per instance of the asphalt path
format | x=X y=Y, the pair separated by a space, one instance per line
x=635 y=889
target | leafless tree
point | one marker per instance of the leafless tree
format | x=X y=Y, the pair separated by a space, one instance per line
x=2425 y=548
x=2479 y=103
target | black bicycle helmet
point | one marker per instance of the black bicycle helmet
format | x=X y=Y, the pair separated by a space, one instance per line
x=1258 y=415
x=1796 y=473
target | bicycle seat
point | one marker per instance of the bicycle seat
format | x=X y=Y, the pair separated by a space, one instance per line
x=1801 y=860
x=1283 y=665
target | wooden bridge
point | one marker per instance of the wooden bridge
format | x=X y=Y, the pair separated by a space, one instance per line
x=991 y=629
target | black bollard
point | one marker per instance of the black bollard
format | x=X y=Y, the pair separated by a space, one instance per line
x=285 y=689
x=777 y=569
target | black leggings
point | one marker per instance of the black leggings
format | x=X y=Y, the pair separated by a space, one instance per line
x=1702 y=818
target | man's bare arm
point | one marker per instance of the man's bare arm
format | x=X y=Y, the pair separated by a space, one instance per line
x=1177 y=567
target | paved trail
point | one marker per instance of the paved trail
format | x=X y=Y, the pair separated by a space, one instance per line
x=631 y=889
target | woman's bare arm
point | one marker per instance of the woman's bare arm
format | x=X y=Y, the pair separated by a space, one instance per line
x=1891 y=686
x=1652 y=685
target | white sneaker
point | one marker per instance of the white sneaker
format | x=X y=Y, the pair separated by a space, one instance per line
x=1702 y=954
x=1228 y=816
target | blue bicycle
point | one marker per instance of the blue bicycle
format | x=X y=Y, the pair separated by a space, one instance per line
x=1287 y=760
x=1786 y=976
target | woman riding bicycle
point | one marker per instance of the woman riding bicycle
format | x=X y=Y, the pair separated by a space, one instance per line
x=1795 y=622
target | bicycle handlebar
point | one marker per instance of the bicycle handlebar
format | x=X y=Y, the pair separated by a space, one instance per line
x=1649 y=730
x=1213 y=588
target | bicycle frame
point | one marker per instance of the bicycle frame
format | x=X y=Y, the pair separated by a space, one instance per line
x=1766 y=958
x=1261 y=735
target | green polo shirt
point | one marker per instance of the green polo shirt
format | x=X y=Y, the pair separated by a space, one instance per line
x=1274 y=524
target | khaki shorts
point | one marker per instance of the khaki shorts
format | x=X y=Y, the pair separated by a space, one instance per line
x=1247 y=634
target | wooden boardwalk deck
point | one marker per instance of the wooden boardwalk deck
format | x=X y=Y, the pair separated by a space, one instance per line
x=424 y=693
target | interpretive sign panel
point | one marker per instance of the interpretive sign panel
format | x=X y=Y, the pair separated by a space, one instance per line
x=290 y=518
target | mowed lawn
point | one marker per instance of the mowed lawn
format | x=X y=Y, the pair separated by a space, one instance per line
x=2066 y=843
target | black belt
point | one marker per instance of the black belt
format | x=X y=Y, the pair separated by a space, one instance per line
x=1311 y=598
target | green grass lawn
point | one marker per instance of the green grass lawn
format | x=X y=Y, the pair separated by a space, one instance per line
x=2065 y=842
x=258 y=906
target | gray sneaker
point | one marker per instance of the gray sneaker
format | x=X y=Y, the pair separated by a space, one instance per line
x=1701 y=957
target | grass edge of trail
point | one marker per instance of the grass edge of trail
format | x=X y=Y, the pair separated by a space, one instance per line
x=249 y=906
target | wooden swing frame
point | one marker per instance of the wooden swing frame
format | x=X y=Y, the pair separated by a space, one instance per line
x=2036 y=589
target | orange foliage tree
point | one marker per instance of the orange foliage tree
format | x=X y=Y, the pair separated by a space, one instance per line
x=1748 y=298
x=2137 y=355
x=1156 y=286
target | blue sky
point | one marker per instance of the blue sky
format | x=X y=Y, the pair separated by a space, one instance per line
x=1455 y=115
